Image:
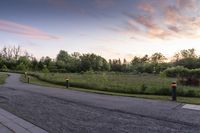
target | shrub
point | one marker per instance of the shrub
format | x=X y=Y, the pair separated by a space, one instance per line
x=190 y=93
x=185 y=76
x=21 y=67
x=143 y=88
x=163 y=91
x=4 y=68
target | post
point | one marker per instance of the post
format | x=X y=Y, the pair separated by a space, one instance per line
x=67 y=83
x=25 y=75
x=154 y=70
x=173 y=86
x=28 y=79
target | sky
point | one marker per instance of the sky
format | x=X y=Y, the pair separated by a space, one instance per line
x=110 y=28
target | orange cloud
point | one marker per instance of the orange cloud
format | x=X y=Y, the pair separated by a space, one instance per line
x=25 y=30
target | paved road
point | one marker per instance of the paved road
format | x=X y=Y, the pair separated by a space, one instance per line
x=62 y=111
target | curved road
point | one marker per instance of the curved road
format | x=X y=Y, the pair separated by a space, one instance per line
x=62 y=111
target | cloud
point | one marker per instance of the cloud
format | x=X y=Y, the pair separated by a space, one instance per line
x=174 y=28
x=168 y=20
x=147 y=7
x=187 y=4
x=145 y=26
x=25 y=30
x=172 y=15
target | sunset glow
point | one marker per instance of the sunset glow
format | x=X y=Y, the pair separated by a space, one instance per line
x=110 y=28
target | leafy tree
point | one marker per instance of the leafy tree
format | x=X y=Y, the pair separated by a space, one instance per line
x=24 y=62
x=93 y=62
x=35 y=64
x=64 y=60
x=187 y=58
x=115 y=65
x=21 y=67
x=189 y=53
x=4 y=68
x=158 y=58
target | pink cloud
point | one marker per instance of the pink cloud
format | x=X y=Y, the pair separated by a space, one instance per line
x=147 y=21
x=25 y=30
x=146 y=7
x=168 y=20
x=187 y=4
x=172 y=15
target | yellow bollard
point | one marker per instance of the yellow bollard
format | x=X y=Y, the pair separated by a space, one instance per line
x=173 y=86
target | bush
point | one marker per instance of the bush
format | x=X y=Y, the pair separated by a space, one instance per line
x=4 y=68
x=185 y=76
x=190 y=93
x=21 y=67
x=143 y=88
x=163 y=91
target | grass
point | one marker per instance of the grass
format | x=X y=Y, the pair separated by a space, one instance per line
x=190 y=100
x=119 y=82
x=3 y=77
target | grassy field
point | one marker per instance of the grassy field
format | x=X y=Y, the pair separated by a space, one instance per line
x=3 y=77
x=119 y=83
x=189 y=100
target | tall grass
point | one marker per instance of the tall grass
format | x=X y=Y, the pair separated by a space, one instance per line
x=3 y=77
x=119 y=82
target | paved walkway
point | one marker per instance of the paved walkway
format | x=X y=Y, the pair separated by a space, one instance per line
x=10 y=123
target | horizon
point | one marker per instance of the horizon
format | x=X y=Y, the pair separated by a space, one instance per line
x=110 y=28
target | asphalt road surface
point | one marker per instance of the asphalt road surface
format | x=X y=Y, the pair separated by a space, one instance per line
x=66 y=111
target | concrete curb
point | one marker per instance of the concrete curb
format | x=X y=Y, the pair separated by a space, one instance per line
x=13 y=124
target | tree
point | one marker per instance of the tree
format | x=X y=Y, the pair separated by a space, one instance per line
x=145 y=59
x=22 y=67
x=187 y=58
x=176 y=57
x=16 y=52
x=116 y=65
x=64 y=60
x=63 y=56
x=189 y=53
x=190 y=63
x=136 y=60
x=93 y=62
x=35 y=64
x=158 y=58
x=24 y=62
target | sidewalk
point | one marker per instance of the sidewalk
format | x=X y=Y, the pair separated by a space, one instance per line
x=10 y=123
x=4 y=129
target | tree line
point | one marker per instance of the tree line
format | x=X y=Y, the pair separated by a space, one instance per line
x=13 y=58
